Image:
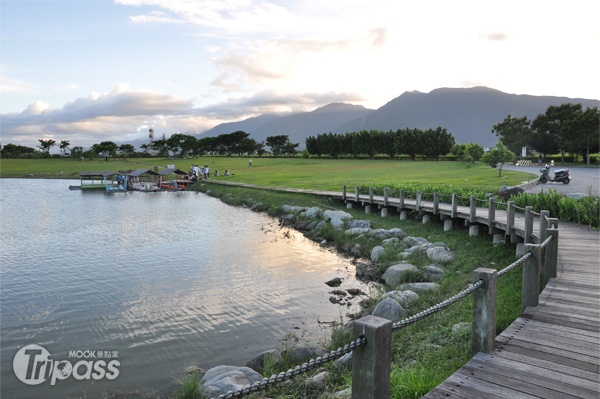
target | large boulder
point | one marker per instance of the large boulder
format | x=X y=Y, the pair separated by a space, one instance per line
x=356 y=231
x=362 y=224
x=258 y=363
x=396 y=232
x=389 y=309
x=506 y=192
x=440 y=255
x=404 y=298
x=312 y=213
x=394 y=274
x=336 y=222
x=433 y=272
x=415 y=241
x=222 y=379
x=329 y=214
x=376 y=253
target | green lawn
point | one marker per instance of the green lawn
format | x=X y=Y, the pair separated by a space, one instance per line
x=317 y=174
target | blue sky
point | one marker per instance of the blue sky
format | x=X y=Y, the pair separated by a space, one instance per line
x=89 y=71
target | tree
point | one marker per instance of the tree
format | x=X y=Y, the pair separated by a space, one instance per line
x=64 y=146
x=126 y=150
x=498 y=157
x=560 y=123
x=515 y=133
x=161 y=147
x=77 y=152
x=543 y=140
x=586 y=133
x=46 y=145
x=16 y=151
x=438 y=142
x=475 y=151
x=105 y=149
x=181 y=144
x=276 y=143
x=289 y=148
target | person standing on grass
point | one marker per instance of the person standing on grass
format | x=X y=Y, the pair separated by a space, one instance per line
x=250 y=162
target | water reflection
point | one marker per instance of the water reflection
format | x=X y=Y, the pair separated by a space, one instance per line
x=167 y=280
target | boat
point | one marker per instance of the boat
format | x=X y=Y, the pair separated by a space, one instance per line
x=174 y=179
x=142 y=180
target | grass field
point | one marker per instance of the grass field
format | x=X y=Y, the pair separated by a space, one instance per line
x=316 y=174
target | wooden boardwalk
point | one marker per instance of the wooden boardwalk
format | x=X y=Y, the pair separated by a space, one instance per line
x=551 y=350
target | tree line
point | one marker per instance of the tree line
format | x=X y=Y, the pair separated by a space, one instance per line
x=563 y=128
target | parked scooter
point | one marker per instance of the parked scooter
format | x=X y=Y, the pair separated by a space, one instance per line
x=560 y=175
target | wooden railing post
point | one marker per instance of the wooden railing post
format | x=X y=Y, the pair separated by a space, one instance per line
x=483 y=333
x=491 y=214
x=510 y=217
x=418 y=206
x=370 y=195
x=530 y=287
x=473 y=210
x=401 y=199
x=551 y=255
x=344 y=194
x=371 y=363
x=436 y=202
x=356 y=194
x=454 y=205
x=528 y=224
x=386 y=193
x=543 y=225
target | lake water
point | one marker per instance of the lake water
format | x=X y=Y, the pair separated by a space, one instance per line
x=159 y=281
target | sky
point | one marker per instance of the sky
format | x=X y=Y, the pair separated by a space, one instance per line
x=97 y=70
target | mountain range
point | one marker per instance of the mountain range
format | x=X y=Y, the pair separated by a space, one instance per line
x=468 y=113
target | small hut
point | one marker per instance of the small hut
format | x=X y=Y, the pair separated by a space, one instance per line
x=142 y=180
x=174 y=179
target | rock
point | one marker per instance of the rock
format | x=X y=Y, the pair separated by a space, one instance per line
x=377 y=252
x=433 y=272
x=393 y=242
x=344 y=362
x=506 y=192
x=320 y=225
x=336 y=222
x=404 y=298
x=289 y=219
x=380 y=234
x=329 y=214
x=222 y=379
x=317 y=380
x=418 y=249
x=334 y=282
x=334 y=299
x=338 y=292
x=389 y=309
x=355 y=291
x=419 y=287
x=462 y=327
x=312 y=225
x=293 y=209
x=355 y=231
x=345 y=394
x=258 y=363
x=577 y=196
x=413 y=241
x=440 y=255
x=313 y=213
x=394 y=274
x=396 y=232
x=259 y=207
x=193 y=370
x=302 y=354
x=359 y=224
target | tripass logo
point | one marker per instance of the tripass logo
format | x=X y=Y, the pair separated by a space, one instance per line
x=33 y=365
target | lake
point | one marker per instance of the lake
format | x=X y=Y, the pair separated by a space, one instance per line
x=156 y=282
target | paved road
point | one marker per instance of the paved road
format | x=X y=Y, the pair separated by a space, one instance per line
x=583 y=180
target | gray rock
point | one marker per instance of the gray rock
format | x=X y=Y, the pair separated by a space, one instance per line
x=312 y=225
x=396 y=232
x=345 y=394
x=433 y=272
x=320 y=225
x=355 y=231
x=417 y=249
x=461 y=327
x=404 y=298
x=376 y=253
x=506 y=192
x=380 y=234
x=394 y=274
x=419 y=287
x=222 y=379
x=344 y=362
x=313 y=213
x=334 y=282
x=414 y=241
x=317 y=380
x=577 y=196
x=389 y=309
x=336 y=222
x=302 y=354
x=258 y=363
x=361 y=224
x=440 y=255
x=329 y=214
x=293 y=209
x=393 y=242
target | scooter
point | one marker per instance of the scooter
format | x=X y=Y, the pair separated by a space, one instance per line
x=560 y=175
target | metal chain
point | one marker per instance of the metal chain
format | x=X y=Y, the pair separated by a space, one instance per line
x=428 y=312
x=312 y=363
x=515 y=264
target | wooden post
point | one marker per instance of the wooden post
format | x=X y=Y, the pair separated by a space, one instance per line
x=473 y=210
x=530 y=289
x=543 y=225
x=436 y=203
x=454 y=205
x=386 y=192
x=371 y=363
x=528 y=224
x=370 y=195
x=418 y=201
x=510 y=217
x=401 y=200
x=491 y=215
x=356 y=194
x=483 y=333
x=551 y=258
x=344 y=194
